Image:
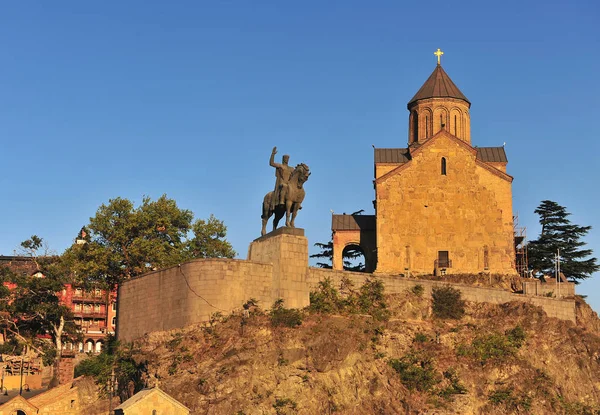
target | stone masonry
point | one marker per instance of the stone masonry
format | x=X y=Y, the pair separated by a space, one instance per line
x=277 y=268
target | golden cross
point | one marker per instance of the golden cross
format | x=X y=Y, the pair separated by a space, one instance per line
x=439 y=54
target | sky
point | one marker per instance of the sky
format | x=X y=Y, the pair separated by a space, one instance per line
x=142 y=98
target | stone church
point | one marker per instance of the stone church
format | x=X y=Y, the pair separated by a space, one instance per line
x=442 y=205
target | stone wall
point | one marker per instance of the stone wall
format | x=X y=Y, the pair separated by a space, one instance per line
x=278 y=268
x=181 y=295
x=563 y=309
x=190 y=293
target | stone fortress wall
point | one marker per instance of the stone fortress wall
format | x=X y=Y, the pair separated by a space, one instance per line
x=277 y=267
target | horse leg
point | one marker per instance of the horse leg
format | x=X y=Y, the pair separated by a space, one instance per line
x=294 y=213
x=288 y=209
x=278 y=216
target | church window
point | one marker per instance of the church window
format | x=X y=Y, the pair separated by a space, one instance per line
x=443 y=166
x=455 y=126
x=426 y=126
x=415 y=126
x=486 y=257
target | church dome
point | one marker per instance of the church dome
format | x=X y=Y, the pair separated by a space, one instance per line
x=438 y=85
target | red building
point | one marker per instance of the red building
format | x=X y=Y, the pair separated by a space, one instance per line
x=94 y=311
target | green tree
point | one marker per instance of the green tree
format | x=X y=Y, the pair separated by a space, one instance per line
x=33 y=308
x=350 y=255
x=559 y=233
x=123 y=241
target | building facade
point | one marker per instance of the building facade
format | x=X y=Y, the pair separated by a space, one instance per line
x=94 y=310
x=441 y=205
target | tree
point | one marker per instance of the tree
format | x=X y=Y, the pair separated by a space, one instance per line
x=558 y=233
x=123 y=241
x=350 y=255
x=33 y=309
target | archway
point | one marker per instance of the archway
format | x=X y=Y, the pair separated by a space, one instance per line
x=89 y=346
x=99 y=346
x=354 y=258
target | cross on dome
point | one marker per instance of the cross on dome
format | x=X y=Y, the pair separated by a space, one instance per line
x=439 y=54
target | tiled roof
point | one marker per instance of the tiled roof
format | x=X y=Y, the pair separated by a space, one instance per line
x=492 y=154
x=352 y=222
x=146 y=392
x=438 y=85
x=391 y=155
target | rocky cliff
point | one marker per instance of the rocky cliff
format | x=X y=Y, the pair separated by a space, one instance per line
x=496 y=359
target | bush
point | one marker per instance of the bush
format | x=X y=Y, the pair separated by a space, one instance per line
x=418 y=290
x=372 y=301
x=416 y=371
x=326 y=299
x=510 y=401
x=494 y=346
x=287 y=317
x=447 y=303
x=420 y=338
x=455 y=387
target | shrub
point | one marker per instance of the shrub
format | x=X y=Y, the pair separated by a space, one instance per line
x=447 y=303
x=494 y=346
x=420 y=338
x=282 y=403
x=416 y=371
x=516 y=336
x=371 y=300
x=509 y=400
x=455 y=387
x=287 y=317
x=418 y=290
x=326 y=298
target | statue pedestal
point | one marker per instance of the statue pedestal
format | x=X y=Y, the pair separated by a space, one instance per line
x=287 y=250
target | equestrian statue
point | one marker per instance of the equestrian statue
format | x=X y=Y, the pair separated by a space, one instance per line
x=288 y=194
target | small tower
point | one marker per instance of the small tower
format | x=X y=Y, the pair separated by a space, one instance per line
x=439 y=104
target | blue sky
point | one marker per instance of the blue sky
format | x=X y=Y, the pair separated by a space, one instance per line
x=107 y=99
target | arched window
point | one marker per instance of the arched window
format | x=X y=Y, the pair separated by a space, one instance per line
x=426 y=126
x=19 y=412
x=455 y=126
x=443 y=166
x=154 y=412
x=415 y=126
x=486 y=257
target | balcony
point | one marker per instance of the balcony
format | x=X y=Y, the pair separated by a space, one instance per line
x=89 y=297
x=443 y=263
x=89 y=314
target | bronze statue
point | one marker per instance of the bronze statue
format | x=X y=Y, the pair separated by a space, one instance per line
x=288 y=194
x=282 y=175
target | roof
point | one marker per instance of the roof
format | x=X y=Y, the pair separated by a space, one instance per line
x=352 y=222
x=491 y=154
x=391 y=155
x=439 y=85
x=145 y=393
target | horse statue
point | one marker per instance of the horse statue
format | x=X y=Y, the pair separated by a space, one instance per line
x=294 y=196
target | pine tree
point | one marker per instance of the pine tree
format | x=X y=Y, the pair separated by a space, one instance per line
x=350 y=254
x=558 y=233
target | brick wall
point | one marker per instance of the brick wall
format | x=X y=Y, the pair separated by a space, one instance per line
x=563 y=309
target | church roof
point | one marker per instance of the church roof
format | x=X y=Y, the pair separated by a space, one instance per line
x=352 y=222
x=438 y=85
x=391 y=155
x=492 y=154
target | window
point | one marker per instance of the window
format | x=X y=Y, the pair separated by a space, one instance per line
x=455 y=126
x=486 y=257
x=443 y=260
x=426 y=126
x=114 y=306
x=97 y=292
x=443 y=166
x=154 y=412
x=114 y=321
x=415 y=126
x=97 y=308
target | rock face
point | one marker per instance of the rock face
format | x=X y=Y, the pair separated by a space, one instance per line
x=497 y=359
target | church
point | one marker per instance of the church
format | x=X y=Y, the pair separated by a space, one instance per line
x=442 y=205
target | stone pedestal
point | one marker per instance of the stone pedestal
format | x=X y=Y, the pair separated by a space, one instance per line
x=287 y=250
